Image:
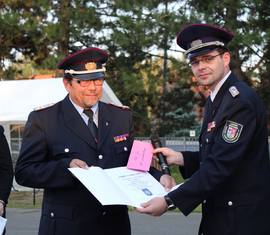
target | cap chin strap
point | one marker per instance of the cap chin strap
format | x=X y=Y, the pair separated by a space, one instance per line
x=206 y=44
x=71 y=71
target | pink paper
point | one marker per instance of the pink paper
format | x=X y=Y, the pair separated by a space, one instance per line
x=140 y=157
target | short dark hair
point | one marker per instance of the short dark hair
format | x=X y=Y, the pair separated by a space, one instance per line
x=68 y=78
x=222 y=50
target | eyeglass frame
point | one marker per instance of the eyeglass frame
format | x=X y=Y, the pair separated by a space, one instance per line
x=207 y=59
x=86 y=83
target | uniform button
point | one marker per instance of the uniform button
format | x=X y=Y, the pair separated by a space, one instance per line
x=230 y=203
x=52 y=214
x=204 y=201
x=104 y=213
x=207 y=140
x=125 y=149
x=100 y=156
x=200 y=145
x=66 y=150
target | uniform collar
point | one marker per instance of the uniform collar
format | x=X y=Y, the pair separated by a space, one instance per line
x=80 y=109
x=218 y=86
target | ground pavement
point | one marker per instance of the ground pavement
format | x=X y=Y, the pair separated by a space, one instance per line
x=25 y=222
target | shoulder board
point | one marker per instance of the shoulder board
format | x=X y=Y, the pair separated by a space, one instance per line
x=42 y=107
x=119 y=106
x=234 y=92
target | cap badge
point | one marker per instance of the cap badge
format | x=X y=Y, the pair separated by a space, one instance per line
x=196 y=43
x=91 y=66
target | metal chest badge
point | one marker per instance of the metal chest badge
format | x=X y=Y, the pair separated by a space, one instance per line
x=231 y=131
x=210 y=126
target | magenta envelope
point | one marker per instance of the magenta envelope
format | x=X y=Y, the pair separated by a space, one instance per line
x=140 y=157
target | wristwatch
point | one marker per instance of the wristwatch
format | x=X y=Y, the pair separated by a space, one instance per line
x=169 y=202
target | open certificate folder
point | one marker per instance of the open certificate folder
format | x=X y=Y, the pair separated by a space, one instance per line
x=120 y=185
x=2 y=224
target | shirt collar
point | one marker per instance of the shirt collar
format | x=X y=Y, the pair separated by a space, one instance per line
x=80 y=109
x=218 y=86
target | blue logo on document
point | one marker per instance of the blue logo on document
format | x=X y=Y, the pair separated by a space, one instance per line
x=147 y=191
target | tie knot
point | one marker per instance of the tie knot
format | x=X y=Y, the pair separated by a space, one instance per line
x=89 y=113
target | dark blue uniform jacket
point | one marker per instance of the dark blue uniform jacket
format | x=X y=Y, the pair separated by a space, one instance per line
x=6 y=168
x=230 y=175
x=52 y=138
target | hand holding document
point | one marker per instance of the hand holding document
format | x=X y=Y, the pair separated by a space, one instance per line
x=3 y=222
x=120 y=185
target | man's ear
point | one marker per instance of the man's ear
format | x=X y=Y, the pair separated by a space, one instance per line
x=67 y=84
x=227 y=58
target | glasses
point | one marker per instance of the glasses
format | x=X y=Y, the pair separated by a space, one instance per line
x=205 y=59
x=85 y=83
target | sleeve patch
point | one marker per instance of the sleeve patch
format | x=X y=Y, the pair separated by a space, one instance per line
x=231 y=131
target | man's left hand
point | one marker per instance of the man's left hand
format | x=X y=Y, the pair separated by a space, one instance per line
x=155 y=207
x=167 y=182
x=1 y=209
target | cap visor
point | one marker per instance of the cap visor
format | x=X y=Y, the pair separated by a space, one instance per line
x=89 y=76
x=200 y=52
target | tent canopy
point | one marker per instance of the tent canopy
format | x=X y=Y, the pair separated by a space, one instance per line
x=19 y=97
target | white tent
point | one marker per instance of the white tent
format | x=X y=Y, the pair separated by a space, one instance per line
x=18 y=98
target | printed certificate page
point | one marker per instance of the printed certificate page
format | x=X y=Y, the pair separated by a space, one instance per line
x=120 y=185
x=2 y=224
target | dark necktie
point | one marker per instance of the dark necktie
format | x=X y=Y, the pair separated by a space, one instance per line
x=209 y=110
x=92 y=126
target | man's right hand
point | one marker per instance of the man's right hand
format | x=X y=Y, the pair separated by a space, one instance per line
x=78 y=163
x=1 y=208
x=172 y=156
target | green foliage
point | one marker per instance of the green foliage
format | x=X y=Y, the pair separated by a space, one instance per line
x=250 y=21
x=35 y=35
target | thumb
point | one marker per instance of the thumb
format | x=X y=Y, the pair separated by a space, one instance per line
x=145 y=204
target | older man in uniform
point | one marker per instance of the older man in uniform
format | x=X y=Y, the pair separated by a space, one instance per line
x=79 y=131
x=6 y=172
x=230 y=175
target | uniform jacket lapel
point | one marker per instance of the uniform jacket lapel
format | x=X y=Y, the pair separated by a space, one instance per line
x=207 y=112
x=104 y=122
x=219 y=97
x=211 y=108
x=75 y=123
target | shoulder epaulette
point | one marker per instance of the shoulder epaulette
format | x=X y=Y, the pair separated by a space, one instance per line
x=119 y=106
x=42 y=107
x=234 y=91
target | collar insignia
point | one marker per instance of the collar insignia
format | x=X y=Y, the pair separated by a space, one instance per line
x=233 y=90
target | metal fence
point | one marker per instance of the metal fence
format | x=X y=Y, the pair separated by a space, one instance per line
x=182 y=143
x=175 y=143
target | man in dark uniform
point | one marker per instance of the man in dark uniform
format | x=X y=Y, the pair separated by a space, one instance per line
x=6 y=172
x=79 y=131
x=230 y=175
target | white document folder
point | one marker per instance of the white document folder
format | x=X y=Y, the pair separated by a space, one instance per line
x=120 y=185
x=3 y=222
